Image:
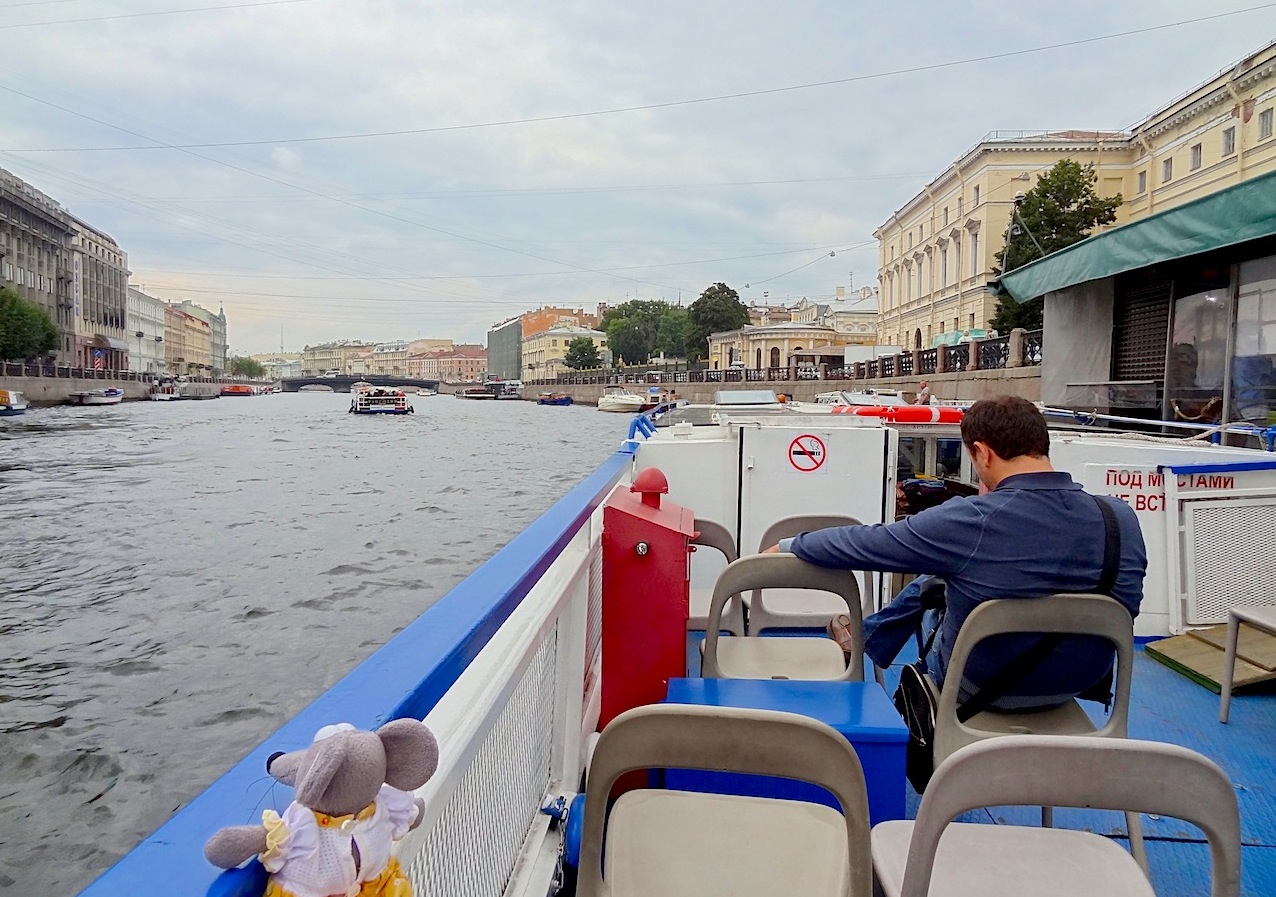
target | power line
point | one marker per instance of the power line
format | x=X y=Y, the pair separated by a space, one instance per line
x=141 y=15
x=646 y=107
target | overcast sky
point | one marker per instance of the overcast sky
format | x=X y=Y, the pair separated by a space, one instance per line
x=477 y=214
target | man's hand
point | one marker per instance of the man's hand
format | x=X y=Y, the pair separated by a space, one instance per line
x=774 y=549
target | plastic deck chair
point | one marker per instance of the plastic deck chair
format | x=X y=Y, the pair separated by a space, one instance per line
x=676 y=843
x=715 y=535
x=1261 y=618
x=782 y=658
x=935 y=856
x=1081 y=614
x=811 y=613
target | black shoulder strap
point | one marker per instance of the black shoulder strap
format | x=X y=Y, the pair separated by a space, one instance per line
x=1009 y=675
x=1111 y=547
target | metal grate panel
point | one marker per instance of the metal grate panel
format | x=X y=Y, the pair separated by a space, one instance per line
x=472 y=848
x=1142 y=325
x=594 y=625
x=1230 y=556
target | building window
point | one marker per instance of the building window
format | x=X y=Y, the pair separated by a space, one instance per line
x=1229 y=141
x=1142 y=182
x=1195 y=162
x=921 y=232
x=945 y=216
x=974 y=254
x=943 y=267
x=1167 y=171
x=974 y=196
x=1264 y=124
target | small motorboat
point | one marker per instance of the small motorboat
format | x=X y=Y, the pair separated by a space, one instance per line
x=238 y=389
x=553 y=398
x=426 y=391
x=110 y=395
x=11 y=403
x=620 y=400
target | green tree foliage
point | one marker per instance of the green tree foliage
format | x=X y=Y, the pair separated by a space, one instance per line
x=719 y=308
x=582 y=354
x=632 y=328
x=1062 y=209
x=242 y=366
x=25 y=328
x=671 y=336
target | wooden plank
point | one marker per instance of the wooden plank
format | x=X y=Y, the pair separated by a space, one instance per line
x=1255 y=646
x=1202 y=662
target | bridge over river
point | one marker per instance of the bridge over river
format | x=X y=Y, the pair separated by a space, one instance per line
x=343 y=382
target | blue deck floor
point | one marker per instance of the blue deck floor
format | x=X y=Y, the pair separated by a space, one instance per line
x=1166 y=706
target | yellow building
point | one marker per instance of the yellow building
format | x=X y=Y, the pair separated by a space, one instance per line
x=543 y=352
x=936 y=253
x=808 y=326
x=335 y=356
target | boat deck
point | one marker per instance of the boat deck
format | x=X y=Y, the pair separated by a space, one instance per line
x=1166 y=706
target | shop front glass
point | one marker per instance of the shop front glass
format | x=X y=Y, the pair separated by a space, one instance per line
x=1254 y=362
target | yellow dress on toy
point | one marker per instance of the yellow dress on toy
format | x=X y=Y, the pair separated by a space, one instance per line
x=312 y=854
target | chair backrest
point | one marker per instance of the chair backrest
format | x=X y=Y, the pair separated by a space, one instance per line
x=774 y=571
x=762 y=618
x=1077 y=614
x=715 y=535
x=728 y=739
x=1080 y=771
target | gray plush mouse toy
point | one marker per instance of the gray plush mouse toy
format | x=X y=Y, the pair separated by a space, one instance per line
x=353 y=800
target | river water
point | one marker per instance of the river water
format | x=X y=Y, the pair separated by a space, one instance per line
x=178 y=579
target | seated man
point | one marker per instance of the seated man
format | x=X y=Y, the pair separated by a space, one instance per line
x=1032 y=533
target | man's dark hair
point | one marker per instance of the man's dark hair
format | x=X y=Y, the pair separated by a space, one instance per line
x=1008 y=425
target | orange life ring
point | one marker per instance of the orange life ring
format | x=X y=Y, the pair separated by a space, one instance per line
x=906 y=414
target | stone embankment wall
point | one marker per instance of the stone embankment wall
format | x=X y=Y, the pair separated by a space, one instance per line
x=964 y=386
x=44 y=391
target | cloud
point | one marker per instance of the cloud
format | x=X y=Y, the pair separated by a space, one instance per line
x=445 y=233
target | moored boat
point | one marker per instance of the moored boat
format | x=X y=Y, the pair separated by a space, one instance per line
x=476 y=392
x=619 y=400
x=11 y=403
x=110 y=395
x=553 y=398
x=238 y=389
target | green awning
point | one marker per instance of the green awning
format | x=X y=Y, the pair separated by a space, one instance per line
x=1237 y=214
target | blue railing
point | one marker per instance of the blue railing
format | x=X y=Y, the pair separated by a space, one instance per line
x=404 y=678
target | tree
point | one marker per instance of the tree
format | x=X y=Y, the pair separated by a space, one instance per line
x=671 y=336
x=582 y=354
x=719 y=308
x=242 y=366
x=1062 y=209
x=26 y=330
x=632 y=328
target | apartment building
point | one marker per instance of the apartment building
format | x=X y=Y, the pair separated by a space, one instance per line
x=936 y=253
x=188 y=343
x=35 y=255
x=144 y=323
x=334 y=356
x=543 y=352
x=99 y=293
x=454 y=364
x=216 y=330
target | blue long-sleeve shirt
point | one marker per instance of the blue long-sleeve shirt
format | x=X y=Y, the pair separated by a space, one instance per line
x=1034 y=535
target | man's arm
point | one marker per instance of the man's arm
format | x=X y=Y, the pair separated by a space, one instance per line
x=937 y=541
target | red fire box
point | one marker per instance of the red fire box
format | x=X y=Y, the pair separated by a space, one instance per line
x=646 y=585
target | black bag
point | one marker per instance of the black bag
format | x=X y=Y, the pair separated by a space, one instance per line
x=917 y=702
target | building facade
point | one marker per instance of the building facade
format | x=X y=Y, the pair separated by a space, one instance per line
x=188 y=343
x=334 y=356
x=145 y=327
x=936 y=253
x=455 y=364
x=216 y=331
x=543 y=352
x=35 y=255
x=505 y=349
x=773 y=346
x=99 y=293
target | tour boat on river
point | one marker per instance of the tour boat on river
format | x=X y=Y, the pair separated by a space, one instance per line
x=599 y=606
x=110 y=395
x=11 y=403
x=369 y=399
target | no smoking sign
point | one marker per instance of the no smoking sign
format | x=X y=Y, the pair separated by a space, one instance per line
x=807 y=453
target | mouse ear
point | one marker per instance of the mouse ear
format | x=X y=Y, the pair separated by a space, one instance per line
x=411 y=753
x=321 y=761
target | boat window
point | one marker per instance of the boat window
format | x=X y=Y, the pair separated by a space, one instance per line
x=912 y=457
x=1254 y=362
x=948 y=457
x=1196 y=367
x=745 y=397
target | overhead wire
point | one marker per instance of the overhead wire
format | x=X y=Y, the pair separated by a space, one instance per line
x=143 y=15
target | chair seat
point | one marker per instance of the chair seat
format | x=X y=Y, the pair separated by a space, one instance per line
x=1011 y=861
x=675 y=843
x=1262 y=617
x=780 y=658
